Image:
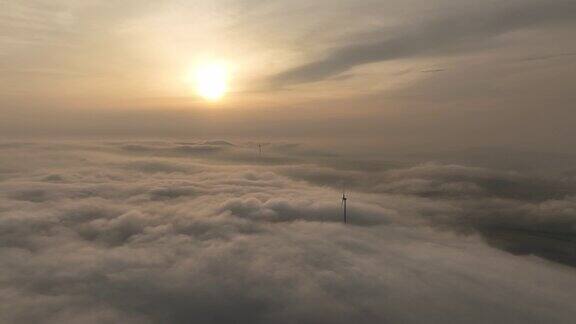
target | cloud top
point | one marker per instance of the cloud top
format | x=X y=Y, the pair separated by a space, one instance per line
x=98 y=233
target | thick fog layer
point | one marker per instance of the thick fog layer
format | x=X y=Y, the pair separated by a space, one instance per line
x=211 y=232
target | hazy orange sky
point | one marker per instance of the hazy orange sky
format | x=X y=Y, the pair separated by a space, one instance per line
x=287 y=161
x=402 y=72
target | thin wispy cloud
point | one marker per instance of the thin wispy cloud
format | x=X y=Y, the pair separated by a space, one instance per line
x=455 y=32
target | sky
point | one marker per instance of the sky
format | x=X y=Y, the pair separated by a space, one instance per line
x=392 y=73
x=184 y=161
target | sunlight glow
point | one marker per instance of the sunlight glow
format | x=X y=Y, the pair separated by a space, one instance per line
x=211 y=80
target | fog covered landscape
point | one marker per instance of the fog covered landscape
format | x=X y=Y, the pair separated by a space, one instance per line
x=208 y=231
x=287 y=161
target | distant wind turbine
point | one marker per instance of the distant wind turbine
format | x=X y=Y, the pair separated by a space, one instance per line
x=344 y=198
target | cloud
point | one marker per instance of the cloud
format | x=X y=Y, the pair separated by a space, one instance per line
x=454 y=32
x=515 y=212
x=94 y=233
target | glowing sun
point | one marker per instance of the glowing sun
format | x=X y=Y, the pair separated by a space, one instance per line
x=211 y=80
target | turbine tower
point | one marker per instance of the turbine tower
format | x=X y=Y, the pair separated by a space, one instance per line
x=344 y=205
x=259 y=150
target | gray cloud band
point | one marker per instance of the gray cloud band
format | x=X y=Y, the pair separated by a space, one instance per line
x=453 y=33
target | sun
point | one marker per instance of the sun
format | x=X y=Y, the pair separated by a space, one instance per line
x=211 y=80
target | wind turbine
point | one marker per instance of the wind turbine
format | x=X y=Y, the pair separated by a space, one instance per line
x=344 y=198
x=259 y=150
